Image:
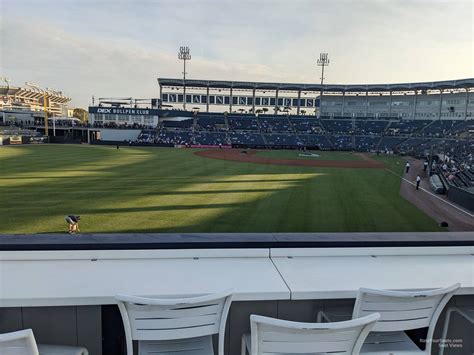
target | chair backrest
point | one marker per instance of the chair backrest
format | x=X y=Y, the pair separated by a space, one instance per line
x=271 y=336
x=404 y=310
x=21 y=342
x=168 y=319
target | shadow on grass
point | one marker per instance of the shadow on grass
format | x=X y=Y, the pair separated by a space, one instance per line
x=321 y=202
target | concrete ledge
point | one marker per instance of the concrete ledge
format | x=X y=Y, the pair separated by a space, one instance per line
x=230 y=240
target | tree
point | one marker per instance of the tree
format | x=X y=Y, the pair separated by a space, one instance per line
x=265 y=110
x=80 y=114
x=303 y=112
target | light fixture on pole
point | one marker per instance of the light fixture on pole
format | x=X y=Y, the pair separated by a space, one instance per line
x=323 y=61
x=184 y=54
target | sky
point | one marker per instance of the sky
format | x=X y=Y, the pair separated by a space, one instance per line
x=119 y=48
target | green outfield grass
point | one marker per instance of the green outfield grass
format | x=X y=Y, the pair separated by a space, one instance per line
x=295 y=154
x=173 y=190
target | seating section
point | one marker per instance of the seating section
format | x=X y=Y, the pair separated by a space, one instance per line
x=282 y=131
x=338 y=126
x=440 y=128
x=465 y=127
x=342 y=142
x=174 y=137
x=365 y=144
x=306 y=125
x=457 y=167
x=211 y=138
x=276 y=139
x=243 y=123
x=246 y=138
x=370 y=127
x=274 y=124
x=389 y=143
x=407 y=127
x=315 y=140
x=147 y=137
x=208 y=123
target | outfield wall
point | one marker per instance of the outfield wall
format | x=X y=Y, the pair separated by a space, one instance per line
x=118 y=135
x=462 y=197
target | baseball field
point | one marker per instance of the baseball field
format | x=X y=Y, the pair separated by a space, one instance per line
x=141 y=189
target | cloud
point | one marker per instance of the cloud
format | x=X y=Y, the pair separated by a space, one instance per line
x=119 y=48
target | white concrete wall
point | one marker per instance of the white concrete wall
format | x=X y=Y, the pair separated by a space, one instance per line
x=108 y=134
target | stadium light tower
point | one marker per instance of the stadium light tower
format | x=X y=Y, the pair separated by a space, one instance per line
x=184 y=54
x=323 y=61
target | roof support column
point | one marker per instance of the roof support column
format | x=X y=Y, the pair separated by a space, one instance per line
x=366 y=102
x=467 y=103
x=207 y=98
x=390 y=106
x=299 y=103
x=320 y=102
x=440 y=102
x=160 y=102
x=230 y=100
x=276 y=102
x=253 y=100
x=414 y=104
x=342 y=109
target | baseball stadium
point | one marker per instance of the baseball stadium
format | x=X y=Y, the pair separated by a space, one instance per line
x=249 y=157
x=238 y=203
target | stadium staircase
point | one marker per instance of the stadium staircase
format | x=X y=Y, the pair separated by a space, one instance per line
x=429 y=124
x=226 y=121
x=195 y=123
x=377 y=146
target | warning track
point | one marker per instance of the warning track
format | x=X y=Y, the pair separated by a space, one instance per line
x=251 y=157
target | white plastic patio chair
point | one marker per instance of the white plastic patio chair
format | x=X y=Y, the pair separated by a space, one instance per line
x=181 y=326
x=276 y=336
x=400 y=311
x=23 y=342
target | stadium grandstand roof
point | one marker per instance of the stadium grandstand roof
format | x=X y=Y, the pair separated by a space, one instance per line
x=248 y=85
x=32 y=93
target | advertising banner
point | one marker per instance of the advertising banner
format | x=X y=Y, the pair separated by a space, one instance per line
x=15 y=140
x=38 y=140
